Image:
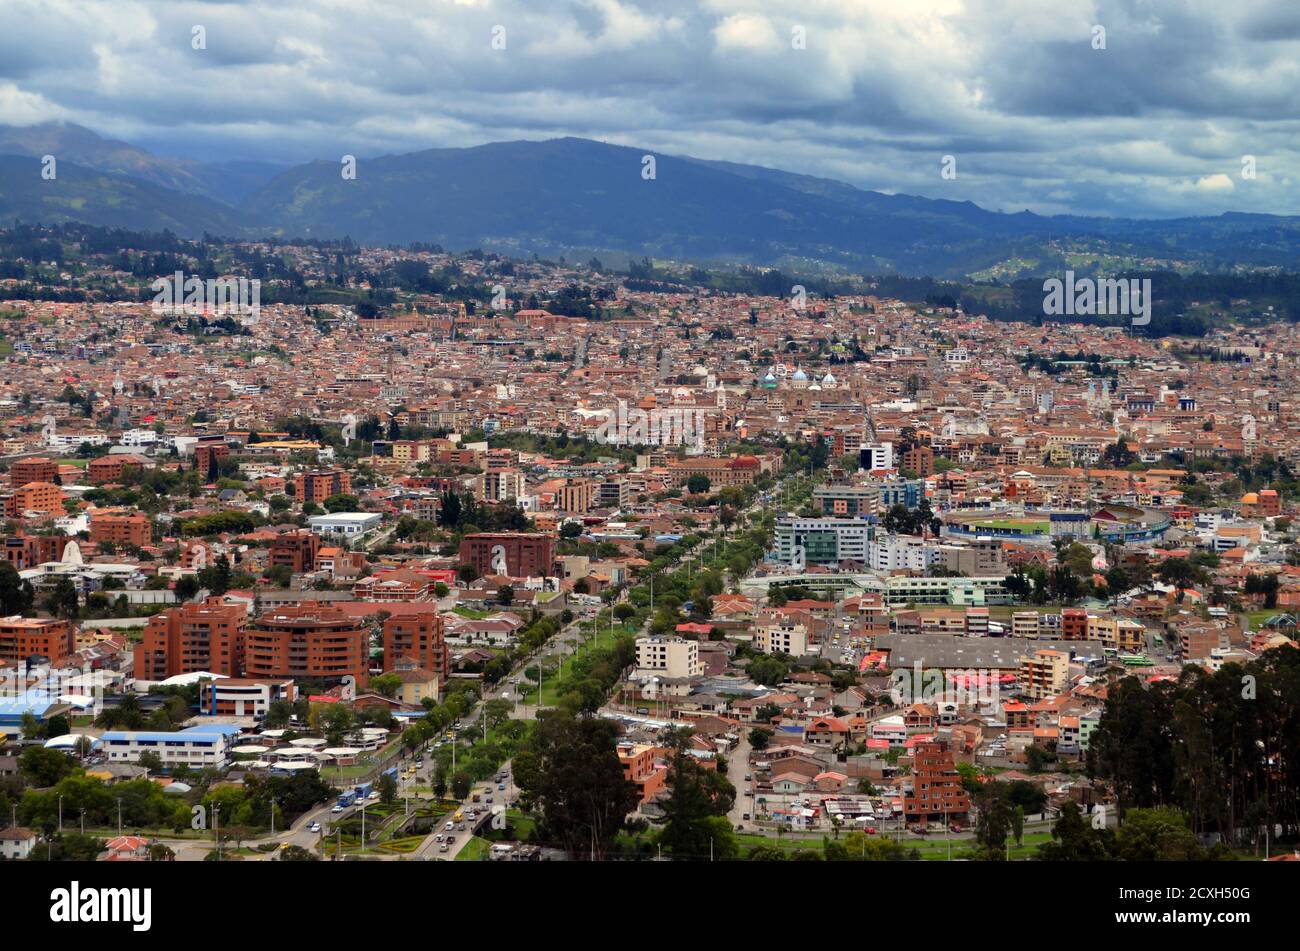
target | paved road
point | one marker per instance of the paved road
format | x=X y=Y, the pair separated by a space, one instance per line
x=431 y=848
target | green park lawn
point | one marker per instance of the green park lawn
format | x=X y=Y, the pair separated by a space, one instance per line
x=475 y=850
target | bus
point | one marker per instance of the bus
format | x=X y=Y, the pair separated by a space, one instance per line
x=346 y=799
x=1136 y=660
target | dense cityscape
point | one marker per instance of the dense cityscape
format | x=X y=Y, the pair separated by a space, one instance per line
x=617 y=439
x=463 y=557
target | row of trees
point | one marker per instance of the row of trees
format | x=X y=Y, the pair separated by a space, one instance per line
x=1218 y=746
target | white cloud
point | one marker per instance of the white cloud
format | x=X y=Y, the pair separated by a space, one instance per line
x=1215 y=183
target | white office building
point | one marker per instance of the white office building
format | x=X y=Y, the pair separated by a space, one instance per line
x=197 y=747
x=347 y=524
x=823 y=540
x=877 y=456
x=904 y=553
x=673 y=657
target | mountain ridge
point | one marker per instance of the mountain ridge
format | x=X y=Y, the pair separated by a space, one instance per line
x=572 y=195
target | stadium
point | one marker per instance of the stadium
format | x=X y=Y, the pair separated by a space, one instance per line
x=1113 y=523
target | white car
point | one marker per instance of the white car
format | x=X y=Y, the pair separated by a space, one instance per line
x=314 y=827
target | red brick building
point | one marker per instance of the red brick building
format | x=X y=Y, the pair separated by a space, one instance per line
x=320 y=485
x=296 y=550
x=20 y=638
x=525 y=555
x=35 y=497
x=38 y=469
x=1074 y=624
x=937 y=791
x=121 y=529
x=419 y=637
x=192 y=638
x=309 y=642
x=920 y=460
x=109 y=468
x=208 y=456
x=27 y=551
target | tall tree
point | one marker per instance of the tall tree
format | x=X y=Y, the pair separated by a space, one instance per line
x=570 y=771
x=698 y=798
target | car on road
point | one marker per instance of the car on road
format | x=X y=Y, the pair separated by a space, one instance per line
x=489 y=800
x=450 y=825
x=337 y=808
x=439 y=837
x=501 y=787
x=314 y=827
x=749 y=778
x=443 y=847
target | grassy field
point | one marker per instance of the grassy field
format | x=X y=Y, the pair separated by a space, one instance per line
x=521 y=827
x=931 y=848
x=475 y=850
x=551 y=684
x=787 y=843
x=1255 y=619
x=935 y=848
x=1013 y=525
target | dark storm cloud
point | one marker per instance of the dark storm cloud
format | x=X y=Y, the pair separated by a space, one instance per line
x=1154 y=124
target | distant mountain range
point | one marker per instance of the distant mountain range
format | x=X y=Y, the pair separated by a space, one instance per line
x=578 y=197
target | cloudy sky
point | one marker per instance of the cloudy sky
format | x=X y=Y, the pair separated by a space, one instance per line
x=1155 y=124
